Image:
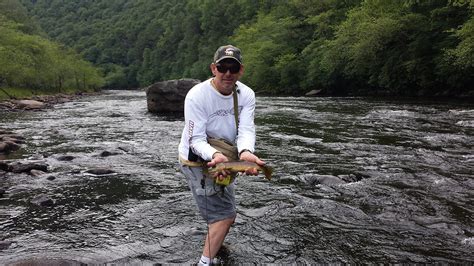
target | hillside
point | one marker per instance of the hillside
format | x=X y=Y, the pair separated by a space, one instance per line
x=32 y=64
x=354 y=47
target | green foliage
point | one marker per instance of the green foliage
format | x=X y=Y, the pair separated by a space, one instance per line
x=408 y=47
x=31 y=61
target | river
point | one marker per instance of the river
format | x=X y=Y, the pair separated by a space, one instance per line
x=355 y=181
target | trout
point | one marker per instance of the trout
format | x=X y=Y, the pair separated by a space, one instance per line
x=241 y=166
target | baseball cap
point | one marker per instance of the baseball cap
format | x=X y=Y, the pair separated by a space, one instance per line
x=228 y=51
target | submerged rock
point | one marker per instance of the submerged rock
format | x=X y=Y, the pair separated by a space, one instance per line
x=42 y=200
x=9 y=141
x=47 y=262
x=100 y=171
x=65 y=158
x=27 y=167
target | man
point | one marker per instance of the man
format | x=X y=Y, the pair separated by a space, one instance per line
x=209 y=113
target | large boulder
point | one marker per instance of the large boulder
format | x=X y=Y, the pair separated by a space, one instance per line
x=168 y=96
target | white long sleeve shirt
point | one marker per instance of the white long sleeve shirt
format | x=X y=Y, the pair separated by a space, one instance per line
x=208 y=113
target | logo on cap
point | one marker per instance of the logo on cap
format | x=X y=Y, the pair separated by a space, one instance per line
x=229 y=52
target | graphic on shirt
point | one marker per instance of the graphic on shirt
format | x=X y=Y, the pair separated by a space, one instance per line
x=190 y=129
x=223 y=112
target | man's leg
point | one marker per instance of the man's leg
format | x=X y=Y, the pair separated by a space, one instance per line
x=217 y=233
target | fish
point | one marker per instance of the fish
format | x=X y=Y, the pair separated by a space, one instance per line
x=241 y=166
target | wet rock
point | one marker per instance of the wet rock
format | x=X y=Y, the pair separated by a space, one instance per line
x=35 y=172
x=29 y=104
x=27 y=167
x=65 y=158
x=7 y=105
x=51 y=177
x=108 y=153
x=42 y=200
x=75 y=171
x=5 y=244
x=324 y=180
x=8 y=146
x=47 y=262
x=9 y=141
x=3 y=166
x=350 y=178
x=100 y=171
x=123 y=149
x=168 y=96
x=13 y=138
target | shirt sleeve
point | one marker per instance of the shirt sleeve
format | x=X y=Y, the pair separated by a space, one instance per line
x=246 y=134
x=196 y=118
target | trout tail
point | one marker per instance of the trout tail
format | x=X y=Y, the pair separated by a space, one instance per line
x=267 y=171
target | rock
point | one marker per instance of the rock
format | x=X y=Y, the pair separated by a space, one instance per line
x=65 y=158
x=324 y=180
x=108 y=153
x=46 y=262
x=7 y=105
x=5 y=244
x=313 y=93
x=9 y=142
x=35 y=172
x=51 y=177
x=8 y=146
x=42 y=200
x=123 y=149
x=168 y=96
x=2 y=192
x=27 y=167
x=12 y=137
x=100 y=171
x=29 y=104
x=3 y=166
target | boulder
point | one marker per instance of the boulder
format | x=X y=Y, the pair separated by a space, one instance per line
x=168 y=96
x=29 y=104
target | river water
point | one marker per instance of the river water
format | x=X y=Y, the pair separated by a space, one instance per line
x=356 y=181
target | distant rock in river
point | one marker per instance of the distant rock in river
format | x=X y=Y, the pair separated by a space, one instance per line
x=168 y=96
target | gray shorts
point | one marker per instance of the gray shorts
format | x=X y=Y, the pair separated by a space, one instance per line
x=215 y=202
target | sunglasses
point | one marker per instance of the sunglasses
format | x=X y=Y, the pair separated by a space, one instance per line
x=233 y=68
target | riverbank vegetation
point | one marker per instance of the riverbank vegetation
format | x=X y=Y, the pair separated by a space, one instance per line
x=30 y=64
x=354 y=47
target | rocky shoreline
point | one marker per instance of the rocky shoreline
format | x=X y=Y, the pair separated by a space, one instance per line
x=38 y=102
x=11 y=141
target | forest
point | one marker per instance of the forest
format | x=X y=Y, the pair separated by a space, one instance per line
x=350 y=47
x=29 y=60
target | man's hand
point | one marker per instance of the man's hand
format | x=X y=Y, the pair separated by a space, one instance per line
x=250 y=157
x=218 y=157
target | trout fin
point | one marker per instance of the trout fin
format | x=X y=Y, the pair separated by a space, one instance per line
x=267 y=171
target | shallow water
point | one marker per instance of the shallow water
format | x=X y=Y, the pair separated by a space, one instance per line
x=356 y=181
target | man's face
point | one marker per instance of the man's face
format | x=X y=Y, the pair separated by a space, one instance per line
x=226 y=73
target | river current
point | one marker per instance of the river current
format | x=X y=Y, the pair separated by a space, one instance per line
x=355 y=181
